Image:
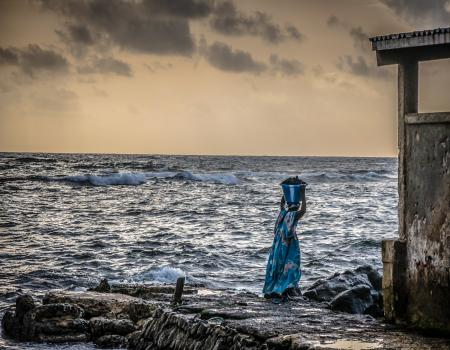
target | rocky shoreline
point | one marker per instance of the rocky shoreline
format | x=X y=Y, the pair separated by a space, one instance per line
x=340 y=312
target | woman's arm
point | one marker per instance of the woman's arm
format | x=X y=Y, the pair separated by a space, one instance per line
x=302 y=210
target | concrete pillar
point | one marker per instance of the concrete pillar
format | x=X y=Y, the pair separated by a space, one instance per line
x=408 y=99
x=394 y=252
x=394 y=278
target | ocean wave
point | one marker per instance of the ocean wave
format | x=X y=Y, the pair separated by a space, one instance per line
x=34 y=160
x=322 y=176
x=220 y=178
x=132 y=179
x=348 y=176
x=165 y=274
x=106 y=180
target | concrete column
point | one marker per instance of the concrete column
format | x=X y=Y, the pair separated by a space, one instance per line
x=394 y=278
x=394 y=252
x=408 y=96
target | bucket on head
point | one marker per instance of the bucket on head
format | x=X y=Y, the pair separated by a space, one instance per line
x=292 y=193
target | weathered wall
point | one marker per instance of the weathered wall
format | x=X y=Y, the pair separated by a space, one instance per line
x=427 y=224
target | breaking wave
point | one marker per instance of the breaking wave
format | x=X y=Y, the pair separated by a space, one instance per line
x=132 y=179
x=164 y=274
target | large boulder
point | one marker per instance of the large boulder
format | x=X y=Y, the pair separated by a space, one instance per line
x=49 y=323
x=105 y=304
x=354 y=291
x=75 y=317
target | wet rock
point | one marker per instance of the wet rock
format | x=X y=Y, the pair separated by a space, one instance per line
x=66 y=310
x=11 y=324
x=103 y=287
x=111 y=341
x=357 y=291
x=24 y=303
x=105 y=304
x=353 y=301
x=67 y=317
x=103 y=326
x=52 y=322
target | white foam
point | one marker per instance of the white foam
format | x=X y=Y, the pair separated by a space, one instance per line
x=140 y=178
x=105 y=180
x=221 y=178
x=165 y=274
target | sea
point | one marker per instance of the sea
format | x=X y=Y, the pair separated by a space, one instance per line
x=68 y=220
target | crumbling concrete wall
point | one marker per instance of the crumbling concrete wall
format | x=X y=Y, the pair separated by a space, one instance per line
x=427 y=225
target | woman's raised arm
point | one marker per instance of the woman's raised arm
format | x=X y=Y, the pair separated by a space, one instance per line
x=302 y=209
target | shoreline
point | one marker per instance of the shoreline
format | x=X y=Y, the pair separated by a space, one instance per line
x=144 y=317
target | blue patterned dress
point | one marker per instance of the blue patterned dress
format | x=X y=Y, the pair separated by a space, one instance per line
x=283 y=267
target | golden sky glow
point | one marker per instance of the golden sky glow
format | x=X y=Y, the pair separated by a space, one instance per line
x=245 y=77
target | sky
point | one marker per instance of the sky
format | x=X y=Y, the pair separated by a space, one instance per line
x=242 y=77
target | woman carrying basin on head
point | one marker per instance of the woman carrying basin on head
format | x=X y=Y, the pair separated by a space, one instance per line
x=283 y=267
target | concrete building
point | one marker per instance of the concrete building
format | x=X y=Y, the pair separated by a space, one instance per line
x=416 y=277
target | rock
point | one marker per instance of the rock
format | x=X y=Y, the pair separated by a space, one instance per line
x=111 y=341
x=104 y=304
x=373 y=275
x=51 y=322
x=66 y=310
x=11 y=324
x=353 y=301
x=357 y=291
x=103 y=326
x=103 y=287
x=24 y=303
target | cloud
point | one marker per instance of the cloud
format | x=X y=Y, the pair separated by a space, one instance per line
x=8 y=57
x=223 y=57
x=293 y=32
x=107 y=65
x=333 y=22
x=77 y=37
x=360 y=67
x=148 y=26
x=33 y=60
x=227 y=20
x=360 y=39
x=421 y=10
x=181 y=8
x=286 y=67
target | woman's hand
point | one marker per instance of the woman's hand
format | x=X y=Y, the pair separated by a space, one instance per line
x=302 y=209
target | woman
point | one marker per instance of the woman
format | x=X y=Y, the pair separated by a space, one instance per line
x=283 y=268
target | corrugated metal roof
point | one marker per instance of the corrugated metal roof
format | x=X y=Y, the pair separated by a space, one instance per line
x=426 y=32
x=420 y=38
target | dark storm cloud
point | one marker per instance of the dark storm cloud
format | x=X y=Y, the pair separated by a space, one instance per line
x=360 y=67
x=223 y=57
x=33 y=59
x=78 y=38
x=413 y=10
x=106 y=66
x=8 y=56
x=136 y=26
x=286 y=67
x=227 y=20
x=181 y=8
x=80 y=34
